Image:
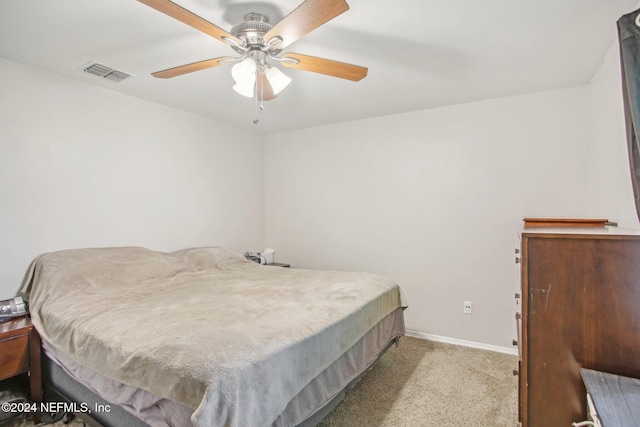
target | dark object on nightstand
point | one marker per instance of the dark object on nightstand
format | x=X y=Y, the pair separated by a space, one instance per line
x=12 y=308
x=279 y=264
x=20 y=354
x=252 y=256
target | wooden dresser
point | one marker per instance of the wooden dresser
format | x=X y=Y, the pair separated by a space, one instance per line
x=580 y=309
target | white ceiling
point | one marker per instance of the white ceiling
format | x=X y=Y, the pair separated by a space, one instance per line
x=420 y=53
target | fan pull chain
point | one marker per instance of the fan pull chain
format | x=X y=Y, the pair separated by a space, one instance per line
x=258 y=103
x=256 y=110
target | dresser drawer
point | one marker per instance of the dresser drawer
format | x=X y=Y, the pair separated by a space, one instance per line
x=14 y=356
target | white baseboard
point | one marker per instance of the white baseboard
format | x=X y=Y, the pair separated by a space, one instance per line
x=465 y=343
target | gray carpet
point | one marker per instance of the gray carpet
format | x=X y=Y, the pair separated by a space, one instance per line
x=425 y=383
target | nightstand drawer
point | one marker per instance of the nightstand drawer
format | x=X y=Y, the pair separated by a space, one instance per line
x=14 y=356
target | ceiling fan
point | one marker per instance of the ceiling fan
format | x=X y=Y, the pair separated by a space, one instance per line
x=258 y=41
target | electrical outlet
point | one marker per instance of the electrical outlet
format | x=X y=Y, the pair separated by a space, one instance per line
x=467 y=307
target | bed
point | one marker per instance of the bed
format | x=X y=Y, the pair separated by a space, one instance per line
x=204 y=337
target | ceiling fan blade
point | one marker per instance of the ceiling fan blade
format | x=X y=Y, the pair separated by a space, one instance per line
x=305 y=18
x=264 y=89
x=183 y=15
x=325 y=66
x=190 y=68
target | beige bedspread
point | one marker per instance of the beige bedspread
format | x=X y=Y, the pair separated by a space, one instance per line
x=232 y=339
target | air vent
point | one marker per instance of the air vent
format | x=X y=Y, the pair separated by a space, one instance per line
x=105 y=72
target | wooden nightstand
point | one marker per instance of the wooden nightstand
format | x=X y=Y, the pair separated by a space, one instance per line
x=20 y=354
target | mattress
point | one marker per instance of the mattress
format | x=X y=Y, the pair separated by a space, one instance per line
x=233 y=341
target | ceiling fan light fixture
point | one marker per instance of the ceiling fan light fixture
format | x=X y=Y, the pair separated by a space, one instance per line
x=277 y=79
x=244 y=70
x=244 y=73
x=245 y=89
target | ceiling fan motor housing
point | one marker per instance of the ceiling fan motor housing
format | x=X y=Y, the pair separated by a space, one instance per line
x=252 y=31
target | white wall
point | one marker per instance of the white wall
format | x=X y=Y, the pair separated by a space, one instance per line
x=433 y=199
x=82 y=166
x=610 y=189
